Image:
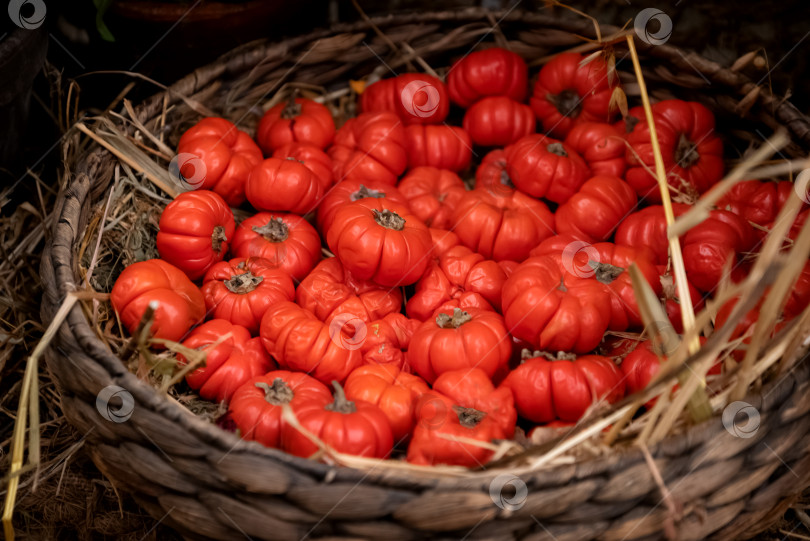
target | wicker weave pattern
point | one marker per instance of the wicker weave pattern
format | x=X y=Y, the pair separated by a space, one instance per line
x=207 y=483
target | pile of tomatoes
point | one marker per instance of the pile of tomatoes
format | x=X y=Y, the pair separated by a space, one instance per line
x=372 y=267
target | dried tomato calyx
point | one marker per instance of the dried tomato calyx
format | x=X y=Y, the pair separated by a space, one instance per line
x=291 y=110
x=558 y=149
x=562 y=287
x=505 y=180
x=605 y=272
x=290 y=158
x=459 y=318
x=217 y=238
x=277 y=394
x=630 y=123
x=341 y=405
x=389 y=219
x=364 y=193
x=243 y=283
x=469 y=417
x=567 y=102
x=527 y=354
x=275 y=230
x=686 y=154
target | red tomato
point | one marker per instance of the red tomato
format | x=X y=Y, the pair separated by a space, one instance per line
x=296 y=121
x=543 y=167
x=380 y=241
x=502 y=226
x=594 y=212
x=351 y=190
x=241 y=290
x=601 y=146
x=672 y=304
x=355 y=428
x=194 y=232
x=547 y=389
x=313 y=158
x=456 y=340
x=442 y=241
x=472 y=388
x=330 y=290
x=228 y=365
x=432 y=194
x=692 y=152
x=648 y=228
x=301 y=342
x=387 y=340
x=256 y=406
x=393 y=391
x=498 y=121
x=491 y=174
x=218 y=157
x=286 y=240
x=490 y=72
x=371 y=148
x=416 y=98
x=180 y=303
x=284 y=185
x=567 y=92
x=442 y=146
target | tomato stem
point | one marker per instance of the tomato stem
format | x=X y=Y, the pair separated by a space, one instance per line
x=291 y=110
x=363 y=193
x=469 y=417
x=505 y=180
x=389 y=219
x=217 y=238
x=277 y=394
x=458 y=319
x=275 y=230
x=243 y=283
x=558 y=149
x=527 y=354
x=686 y=154
x=567 y=103
x=341 y=405
x=605 y=272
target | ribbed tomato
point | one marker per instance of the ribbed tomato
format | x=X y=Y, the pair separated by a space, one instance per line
x=543 y=167
x=313 y=158
x=472 y=388
x=228 y=365
x=283 y=185
x=370 y=147
x=215 y=155
x=491 y=174
x=387 y=340
x=672 y=304
x=288 y=241
x=432 y=194
x=601 y=146
x=351 y=190
x=416 y=98
x=648 y=228
x=442 y=241
x=490 y=72
x=298 y=120
x=241 y=290
x=194 y=232
x=593 y=213
x=442 y=146
x=498 y=121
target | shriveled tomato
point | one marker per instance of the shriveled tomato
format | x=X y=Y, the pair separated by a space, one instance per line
x=257 y=406
x=229 y=364
x=351 y=190
x=442 y=241
x=593 y=213
x=672 y=304
x=352 y=427
x=288 y=241
x=194 y=232
x=498 y=121
x=299 y=120
x=543 y=167
x=692 y=152
x=568 y=92
x=299 y=341
x=329 y=289
x=432 y=194
x=215 y=155
x=648 y=228
x=460 y=271
x=601 y=146
x=490 y=72
x=313 y=158
x=370 y=147
x=456 y=339
x=381 y=241
x=387 y=340
x=472 y=388
x=502 y=226
x=442 y=146
x=563 y=387
x=180 y=303
x=491 y=174
x=241 y=290
x=283 y=185
x=395 y=392
x=416 y=98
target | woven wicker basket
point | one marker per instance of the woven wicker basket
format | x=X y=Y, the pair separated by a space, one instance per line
x=207 y=483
